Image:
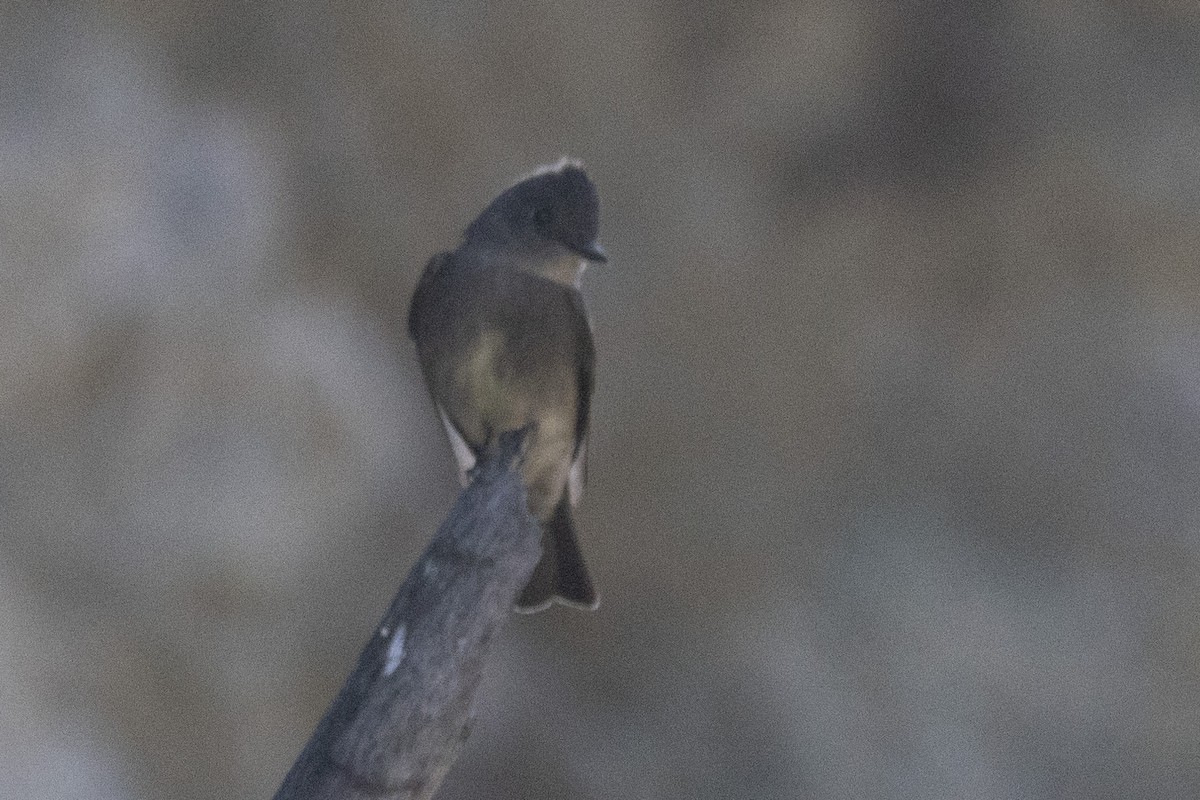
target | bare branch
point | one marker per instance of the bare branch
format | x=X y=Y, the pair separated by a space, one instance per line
x=401 y=717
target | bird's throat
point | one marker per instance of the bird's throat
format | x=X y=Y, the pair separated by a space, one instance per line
x=566 y=270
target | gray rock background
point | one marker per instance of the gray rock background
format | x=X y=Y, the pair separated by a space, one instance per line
x=895 y=480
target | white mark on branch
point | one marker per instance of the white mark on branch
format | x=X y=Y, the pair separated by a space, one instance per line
x=395 y=652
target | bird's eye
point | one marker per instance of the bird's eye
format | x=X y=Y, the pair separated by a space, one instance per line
x=543 y=217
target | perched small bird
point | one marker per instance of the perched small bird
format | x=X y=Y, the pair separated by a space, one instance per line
x=504 y=342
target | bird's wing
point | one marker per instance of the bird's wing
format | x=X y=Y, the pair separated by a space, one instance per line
x=420 y=294
x=585 y=381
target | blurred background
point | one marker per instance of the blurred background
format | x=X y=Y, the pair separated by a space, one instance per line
x=895 y=471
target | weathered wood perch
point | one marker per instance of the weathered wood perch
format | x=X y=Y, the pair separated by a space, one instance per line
x=402 y=715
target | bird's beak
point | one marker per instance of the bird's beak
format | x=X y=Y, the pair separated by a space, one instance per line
x=592 y=252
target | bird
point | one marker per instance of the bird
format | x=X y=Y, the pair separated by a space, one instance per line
x=504 y=342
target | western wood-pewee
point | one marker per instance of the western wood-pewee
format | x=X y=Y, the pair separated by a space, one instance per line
x=504 y=342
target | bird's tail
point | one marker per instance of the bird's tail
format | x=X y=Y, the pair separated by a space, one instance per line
x=560 y=576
